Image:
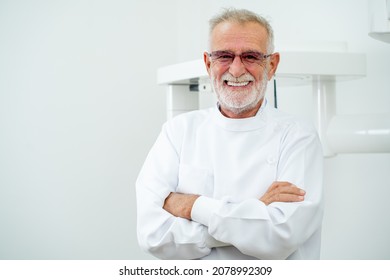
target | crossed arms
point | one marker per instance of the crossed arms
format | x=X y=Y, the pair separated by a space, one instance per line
x=180 y=204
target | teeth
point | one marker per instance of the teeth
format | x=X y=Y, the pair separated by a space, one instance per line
x=233 y=84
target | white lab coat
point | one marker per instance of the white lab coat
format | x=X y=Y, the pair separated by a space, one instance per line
x=231 y=163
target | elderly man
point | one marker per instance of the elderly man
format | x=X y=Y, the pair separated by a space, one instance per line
x=240 y=180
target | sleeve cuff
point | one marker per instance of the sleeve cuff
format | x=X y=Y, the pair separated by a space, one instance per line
x=203 y=208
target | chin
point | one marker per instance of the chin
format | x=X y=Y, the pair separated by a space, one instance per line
x=239 y=99
x=237 y=107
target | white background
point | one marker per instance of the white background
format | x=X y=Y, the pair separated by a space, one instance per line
x=80 y=108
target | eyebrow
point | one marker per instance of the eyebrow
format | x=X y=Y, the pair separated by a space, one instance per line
x=245 y=51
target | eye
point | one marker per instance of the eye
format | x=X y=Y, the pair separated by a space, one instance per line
x=251 y=57
x=224 y=56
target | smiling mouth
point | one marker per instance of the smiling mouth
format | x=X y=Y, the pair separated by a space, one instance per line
x=237 y=84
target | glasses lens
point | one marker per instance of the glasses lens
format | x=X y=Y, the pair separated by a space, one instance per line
x=222 y=57
x=252 y=57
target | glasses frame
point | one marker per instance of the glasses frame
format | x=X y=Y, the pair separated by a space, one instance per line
x=261 y=61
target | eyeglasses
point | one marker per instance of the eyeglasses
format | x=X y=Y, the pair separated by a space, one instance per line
x=226 y=58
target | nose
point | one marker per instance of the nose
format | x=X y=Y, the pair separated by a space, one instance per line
x=237 y=68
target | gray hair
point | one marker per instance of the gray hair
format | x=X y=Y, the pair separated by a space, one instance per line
x=243 y=16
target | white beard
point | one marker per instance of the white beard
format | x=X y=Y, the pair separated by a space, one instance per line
x=244 y=100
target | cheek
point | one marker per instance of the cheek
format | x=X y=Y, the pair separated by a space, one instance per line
x=258 y=75
x=217 y=72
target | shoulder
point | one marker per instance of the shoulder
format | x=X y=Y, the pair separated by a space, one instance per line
x=291 y=123
x=186 y=123
x=189 y=119
x=296 y=134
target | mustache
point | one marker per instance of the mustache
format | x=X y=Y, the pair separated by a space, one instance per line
x=243 y=78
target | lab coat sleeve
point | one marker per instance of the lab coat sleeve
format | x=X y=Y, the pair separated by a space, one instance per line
x=159 y=232
x=277 y=230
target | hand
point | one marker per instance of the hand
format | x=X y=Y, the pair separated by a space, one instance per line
x=180 y=204
x=283 y=192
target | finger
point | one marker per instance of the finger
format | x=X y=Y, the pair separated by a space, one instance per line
x=283 y=194
x=286 y=190
x=286 y=198
x=278 y=184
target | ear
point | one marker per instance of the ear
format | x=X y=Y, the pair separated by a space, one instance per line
x=207 y=62
x=274 y=62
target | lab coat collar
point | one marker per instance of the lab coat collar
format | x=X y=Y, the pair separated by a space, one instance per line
x=246 y=124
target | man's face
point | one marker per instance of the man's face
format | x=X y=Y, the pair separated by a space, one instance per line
x=240 y=87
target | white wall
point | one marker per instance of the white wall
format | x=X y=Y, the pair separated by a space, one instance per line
x=80 y=108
